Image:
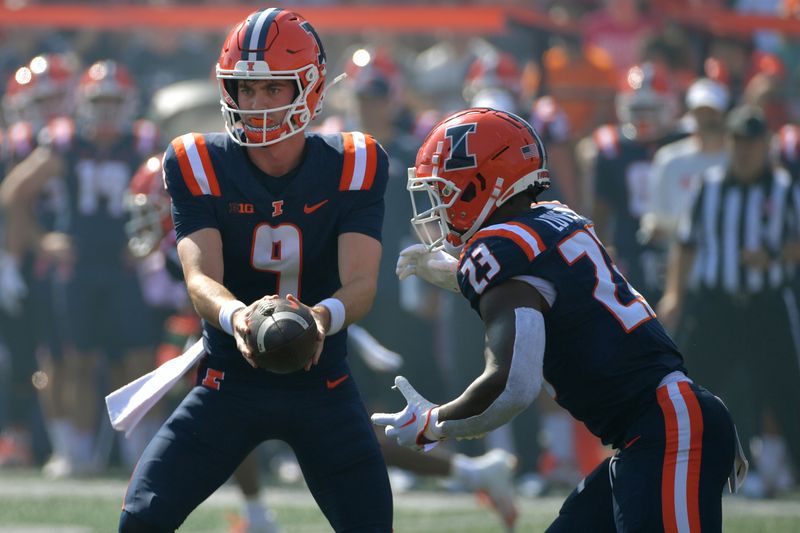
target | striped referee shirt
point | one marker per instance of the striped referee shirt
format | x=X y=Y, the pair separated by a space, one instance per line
x=728 y=218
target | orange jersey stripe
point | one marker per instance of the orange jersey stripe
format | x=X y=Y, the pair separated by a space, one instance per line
x=208 y=167
x=695 y=455
x=514 y=237
x=348 y=165
x=532 y=233
x=186 y=167
x=670 y=461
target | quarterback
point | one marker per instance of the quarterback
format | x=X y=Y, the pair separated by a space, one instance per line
x=267 y=209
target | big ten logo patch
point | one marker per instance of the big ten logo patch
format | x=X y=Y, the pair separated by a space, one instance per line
x=241 y=209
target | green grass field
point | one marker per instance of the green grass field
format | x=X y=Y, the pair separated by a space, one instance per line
x=30 y=504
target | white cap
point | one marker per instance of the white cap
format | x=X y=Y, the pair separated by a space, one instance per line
x=707 y=93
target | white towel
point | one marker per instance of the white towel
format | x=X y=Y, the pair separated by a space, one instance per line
x=128 y=404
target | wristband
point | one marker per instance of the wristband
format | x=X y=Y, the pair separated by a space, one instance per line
x=226 y=315
x=336 y=308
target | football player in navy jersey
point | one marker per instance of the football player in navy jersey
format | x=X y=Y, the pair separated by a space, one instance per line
x=94 y=157
x=266 y=209
x=620 y=171
x=37 y=93
x=558 y=315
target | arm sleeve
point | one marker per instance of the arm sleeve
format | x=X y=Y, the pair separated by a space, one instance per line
x=189 y=212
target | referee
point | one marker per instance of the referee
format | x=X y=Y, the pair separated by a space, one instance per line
x=728 y=283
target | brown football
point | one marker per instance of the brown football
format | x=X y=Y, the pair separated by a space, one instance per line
x=283 y=336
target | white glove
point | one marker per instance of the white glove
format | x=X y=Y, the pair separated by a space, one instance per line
x=437 y=268
x=415 y=426
x=12 y=287
x=376 y=356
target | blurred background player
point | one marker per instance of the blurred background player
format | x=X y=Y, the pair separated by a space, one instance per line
x=95 y=157
x=676 y=169
x=646 y=112
x=38 y=95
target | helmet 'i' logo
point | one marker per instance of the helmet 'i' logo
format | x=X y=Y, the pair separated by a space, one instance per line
x=310 y=29
x=460 y=157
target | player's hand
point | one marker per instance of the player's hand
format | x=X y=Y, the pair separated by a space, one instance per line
x=323 y=323
x=415 y=426
x=57 y=247
x=12 y=287
x=437 y=268
x=241 y=330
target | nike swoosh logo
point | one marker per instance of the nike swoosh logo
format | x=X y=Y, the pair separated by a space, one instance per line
x=413 y=419
x=308 y=209
x=631 y=442
x=336 y=382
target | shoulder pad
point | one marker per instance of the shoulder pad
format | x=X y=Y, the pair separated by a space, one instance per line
x=195 y=164
x=607 y=140
x=145 y=135
x=525 y=237
x=359 y=161
x=789 y=142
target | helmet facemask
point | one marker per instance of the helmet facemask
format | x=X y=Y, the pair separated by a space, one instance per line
x=146 y=225
x=430 y=220
x=297 y=113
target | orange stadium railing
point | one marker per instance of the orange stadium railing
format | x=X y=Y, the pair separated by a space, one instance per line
x=349 y=19
x=343 y=19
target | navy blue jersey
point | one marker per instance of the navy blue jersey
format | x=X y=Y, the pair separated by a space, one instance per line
x=621 y=180
x=280 y=235
x=605 y=351
x=97 y=180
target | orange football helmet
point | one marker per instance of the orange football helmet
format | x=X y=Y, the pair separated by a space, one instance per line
x=41 y=90
x=107 y=98
x=272 y=44
x=148 y=206
x=471 y=163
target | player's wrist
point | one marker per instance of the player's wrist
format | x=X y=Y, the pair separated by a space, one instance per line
x=433 y=431
x=337 y=314
x=226 y=312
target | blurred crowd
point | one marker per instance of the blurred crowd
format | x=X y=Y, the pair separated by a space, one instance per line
x=635 y=106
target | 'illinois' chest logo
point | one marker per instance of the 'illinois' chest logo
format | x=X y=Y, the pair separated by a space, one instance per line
x=277 y=208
